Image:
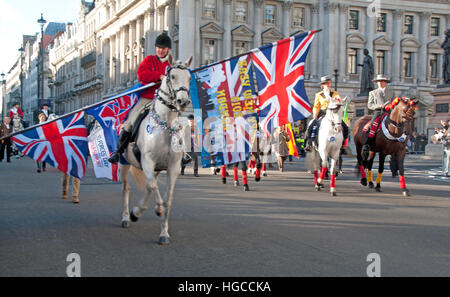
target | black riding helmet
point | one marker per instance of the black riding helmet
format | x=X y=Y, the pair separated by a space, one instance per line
x=163 y=41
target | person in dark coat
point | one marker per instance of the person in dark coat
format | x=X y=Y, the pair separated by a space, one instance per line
x=6 y=129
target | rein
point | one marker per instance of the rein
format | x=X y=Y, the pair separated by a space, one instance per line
x=172 y=93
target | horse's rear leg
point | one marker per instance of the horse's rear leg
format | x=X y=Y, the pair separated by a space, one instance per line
x=151 y=182
x=380 y=172
x=361 y=164
x=124 y=171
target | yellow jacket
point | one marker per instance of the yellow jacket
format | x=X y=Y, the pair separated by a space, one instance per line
x=321 y=102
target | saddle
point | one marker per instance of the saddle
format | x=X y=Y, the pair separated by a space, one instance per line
x=372 y=130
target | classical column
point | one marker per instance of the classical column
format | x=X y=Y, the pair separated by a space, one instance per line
x=171 y=16
x=197 y=40
x=227 y=44
x=285 y=28
x=322 y=38
x=333 y=26
x=257 y=24
x=186 y=26
x=314 y=51
x=342 y=49
x=370 y=31
x=161 y=12
x=424 y=18
x=396 y=54
x=150 y=36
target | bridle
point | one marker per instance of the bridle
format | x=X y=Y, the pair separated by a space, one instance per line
x=405 y=114
x=172 y=94
x=333 y=124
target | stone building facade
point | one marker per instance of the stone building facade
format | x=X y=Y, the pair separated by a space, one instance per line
x=98 y=56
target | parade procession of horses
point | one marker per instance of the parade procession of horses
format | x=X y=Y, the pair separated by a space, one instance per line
x=243 y=108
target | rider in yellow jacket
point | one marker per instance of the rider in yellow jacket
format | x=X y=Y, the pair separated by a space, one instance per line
x=321 y=101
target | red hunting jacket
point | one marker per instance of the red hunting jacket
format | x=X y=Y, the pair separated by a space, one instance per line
x=150 y=70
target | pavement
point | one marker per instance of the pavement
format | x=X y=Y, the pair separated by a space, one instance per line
x=282 y=227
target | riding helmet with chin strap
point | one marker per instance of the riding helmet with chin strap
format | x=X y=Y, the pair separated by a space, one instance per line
x=163 y=41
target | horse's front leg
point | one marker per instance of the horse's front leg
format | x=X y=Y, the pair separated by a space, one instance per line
x=124 y=171
x=401 y=171
x=324 y=163
x=148 y=167
x=172 y=175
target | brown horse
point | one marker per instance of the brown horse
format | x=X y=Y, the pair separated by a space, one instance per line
x=390 y=140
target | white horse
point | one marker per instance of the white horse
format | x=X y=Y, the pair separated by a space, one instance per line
x=330 y=139
x=160 y=140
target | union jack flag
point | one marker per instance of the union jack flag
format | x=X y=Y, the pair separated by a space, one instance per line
x=112 y=114
x=279 y=69
x=62 y=143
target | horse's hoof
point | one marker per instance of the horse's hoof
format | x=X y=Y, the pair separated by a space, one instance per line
x=236 y=183
x=257 y=179
x=371 y=185
x=158 y=212
x=405 y=193
x=364 y=181
x=246 y=188
x=125 y=224
x=224 y=180
x=164 y=240
x=378 y=189
x=333 y=194
x=318 y=186
x=133 y=218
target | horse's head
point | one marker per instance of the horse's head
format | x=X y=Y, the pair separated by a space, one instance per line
x=335 y=112
x=177 y=83
x=403 y=113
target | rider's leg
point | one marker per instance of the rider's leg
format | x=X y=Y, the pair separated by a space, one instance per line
x=127 y=130
x=369 y=141
x=308 y=139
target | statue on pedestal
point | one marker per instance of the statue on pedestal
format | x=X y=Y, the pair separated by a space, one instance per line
x=446 y=58
x=366 y=74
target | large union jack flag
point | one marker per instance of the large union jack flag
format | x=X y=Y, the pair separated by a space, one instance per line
x=62 y=143
x=279 y=69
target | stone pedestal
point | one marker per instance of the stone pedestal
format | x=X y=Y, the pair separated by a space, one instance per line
x=434 y=150
x=441 y=96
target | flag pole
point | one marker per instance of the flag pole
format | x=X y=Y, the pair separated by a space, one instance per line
x=246 y=53
x=82 y=109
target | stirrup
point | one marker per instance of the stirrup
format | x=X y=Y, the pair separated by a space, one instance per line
x=186 y=159
x=114 y=158
x=366 y=148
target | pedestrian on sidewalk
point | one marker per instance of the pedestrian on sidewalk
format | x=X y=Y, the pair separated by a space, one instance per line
x=192 y=153
x=6 y=129
x=75 y=187
x=41 y=166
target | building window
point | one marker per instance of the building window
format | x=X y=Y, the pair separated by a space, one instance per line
x=240 y=11
x=360 y=112
x=209 y=9
x=298 y=17
x=434 y=66
x=407 y=63
x=352 y=60
x=240 y=47
x=354 y=20
x=381 y=22
x=209 y=51
x=435 y=22
x=270 y=15
x=381 y=59
x=408 y=27
x=442 y=108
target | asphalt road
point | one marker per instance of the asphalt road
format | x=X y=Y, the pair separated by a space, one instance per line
x=282 y=227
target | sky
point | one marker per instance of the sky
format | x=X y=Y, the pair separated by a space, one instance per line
x=19 y=17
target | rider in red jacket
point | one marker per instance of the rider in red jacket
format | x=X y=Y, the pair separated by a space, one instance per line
x=152 y=69
x=15 y=110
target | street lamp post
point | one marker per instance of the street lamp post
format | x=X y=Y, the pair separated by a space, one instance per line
x=336 y=77
x=41 y=22
x=3 y=95
x=21 y=50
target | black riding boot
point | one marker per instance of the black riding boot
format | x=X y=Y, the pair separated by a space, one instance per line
x=122 y=144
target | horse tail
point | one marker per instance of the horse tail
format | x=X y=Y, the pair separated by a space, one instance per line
x=139 y=177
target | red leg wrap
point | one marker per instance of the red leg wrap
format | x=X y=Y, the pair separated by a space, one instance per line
x=244 y=177
x=235 y=176
x=332 y=180
x=323 y=171
x=401 y=178
x=363 y=171
x=224 y=172
x=316 y=176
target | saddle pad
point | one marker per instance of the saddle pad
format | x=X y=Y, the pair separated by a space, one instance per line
x=375 y=124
